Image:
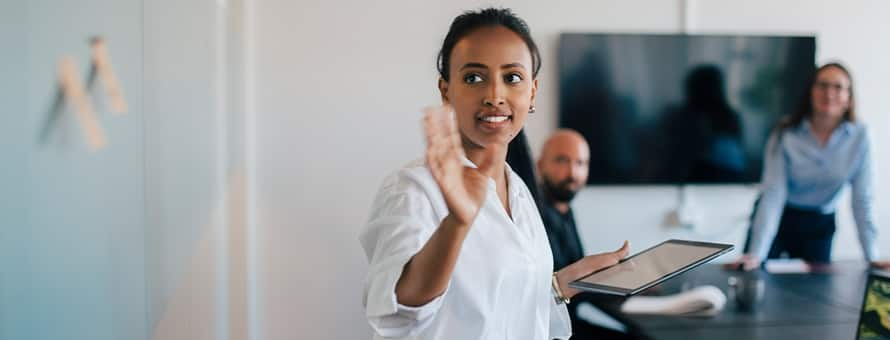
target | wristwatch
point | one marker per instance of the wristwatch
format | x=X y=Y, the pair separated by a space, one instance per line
x=560 y=298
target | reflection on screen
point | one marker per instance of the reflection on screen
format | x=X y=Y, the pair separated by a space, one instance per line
x=650 y=266
x=685 y=108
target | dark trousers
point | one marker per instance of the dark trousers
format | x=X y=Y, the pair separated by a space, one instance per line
x=804 y=234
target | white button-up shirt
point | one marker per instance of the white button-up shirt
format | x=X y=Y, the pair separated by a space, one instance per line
x=501 y=284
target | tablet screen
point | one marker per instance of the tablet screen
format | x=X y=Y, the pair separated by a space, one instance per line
x=654 y=265
x=874 y=320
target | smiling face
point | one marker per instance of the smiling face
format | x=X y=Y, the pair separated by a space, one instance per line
x=831 y=93
x=491 y=86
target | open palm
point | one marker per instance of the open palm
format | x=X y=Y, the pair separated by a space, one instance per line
x=463 y=187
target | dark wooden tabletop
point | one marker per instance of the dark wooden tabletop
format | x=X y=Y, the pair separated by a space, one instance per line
x=822 y=305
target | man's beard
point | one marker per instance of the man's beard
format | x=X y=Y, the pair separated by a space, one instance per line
x=559 y=192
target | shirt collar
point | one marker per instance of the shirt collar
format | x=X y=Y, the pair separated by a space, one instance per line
x=467 y=162
x=806 y=127
x=513 y=179
x=846 y=126
x=513 y=182
x=549 y=203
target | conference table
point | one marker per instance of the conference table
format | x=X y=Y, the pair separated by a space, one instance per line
x=818 y=305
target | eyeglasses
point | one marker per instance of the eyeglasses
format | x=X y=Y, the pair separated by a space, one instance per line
x=825 y=86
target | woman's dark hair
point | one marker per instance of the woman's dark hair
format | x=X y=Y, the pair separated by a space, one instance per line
x=470 y=21
x=519 y=157
x=805 y=108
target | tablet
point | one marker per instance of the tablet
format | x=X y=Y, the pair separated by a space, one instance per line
x=650 y=267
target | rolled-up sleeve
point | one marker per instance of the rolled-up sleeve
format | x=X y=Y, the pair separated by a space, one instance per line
x=774 y=192
x=402 y=219
x=861 y=202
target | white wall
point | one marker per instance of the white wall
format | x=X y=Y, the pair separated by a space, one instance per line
x=193 y=155
x=73 y=241
x=338 y=87
x=143 y=239
x=195 y=200
x=13 y=156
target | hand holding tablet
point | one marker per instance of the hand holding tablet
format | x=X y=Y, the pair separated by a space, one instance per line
x=650 y=267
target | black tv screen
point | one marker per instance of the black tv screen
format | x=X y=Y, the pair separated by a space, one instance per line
x=674 y=109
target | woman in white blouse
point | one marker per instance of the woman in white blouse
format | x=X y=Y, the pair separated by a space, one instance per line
x=456 y=246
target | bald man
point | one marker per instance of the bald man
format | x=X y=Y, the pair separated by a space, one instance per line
x=563 y=167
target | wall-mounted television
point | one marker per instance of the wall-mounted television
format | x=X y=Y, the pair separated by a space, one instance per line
x=677 y=109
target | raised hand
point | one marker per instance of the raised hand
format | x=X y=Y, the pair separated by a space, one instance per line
x=587 y=265
x=463 y=187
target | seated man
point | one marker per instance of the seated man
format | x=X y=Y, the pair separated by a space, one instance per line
x=563 y=166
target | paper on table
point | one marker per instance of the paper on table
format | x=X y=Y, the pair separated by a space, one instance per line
x=699 y=301
x=787 y=266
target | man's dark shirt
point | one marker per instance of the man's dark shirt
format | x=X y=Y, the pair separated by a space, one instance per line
x=563 y=236
x=566 y=248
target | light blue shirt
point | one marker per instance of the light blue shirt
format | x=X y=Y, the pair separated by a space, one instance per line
x=801 y=172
